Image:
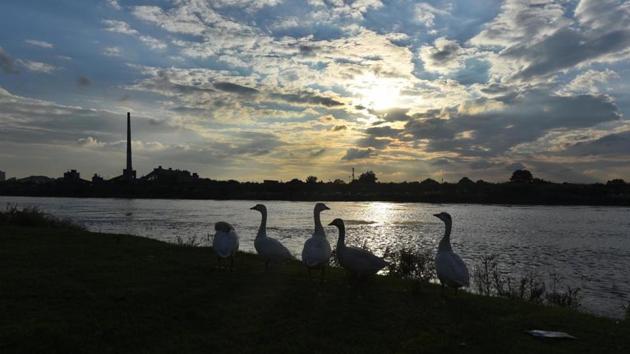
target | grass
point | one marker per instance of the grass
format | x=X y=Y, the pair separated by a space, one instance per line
x=71 y=291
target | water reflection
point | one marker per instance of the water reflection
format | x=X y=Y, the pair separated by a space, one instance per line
x=586 y=246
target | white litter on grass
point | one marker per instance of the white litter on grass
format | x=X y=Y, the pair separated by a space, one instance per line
x=550 y=334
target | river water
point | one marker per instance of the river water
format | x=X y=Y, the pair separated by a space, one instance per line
x=584 y=246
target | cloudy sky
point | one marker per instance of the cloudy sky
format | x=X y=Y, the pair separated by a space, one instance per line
x=276 y=89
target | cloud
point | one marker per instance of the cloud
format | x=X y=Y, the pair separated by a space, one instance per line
x=610 y=145
x=84 y=81
x=494 y=132
x=112 y=51
x=124 y=28
x=356 y=154
x=426 y=13
x=37 y=66
x=114 y=4
x=6 y=63
x=591 y=82
x=41 y=44
x=565 y=49
x=235 y=88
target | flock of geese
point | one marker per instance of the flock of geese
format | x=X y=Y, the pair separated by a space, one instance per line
x=451 y=270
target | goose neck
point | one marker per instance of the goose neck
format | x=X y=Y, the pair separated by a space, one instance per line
x=262 y=230
x=319 y=229
x=445 y=243
x=341 y=240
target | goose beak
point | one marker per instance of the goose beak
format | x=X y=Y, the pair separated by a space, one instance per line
x=252 y=208
x=436 y=215
x=331 y=223
x=326 y=208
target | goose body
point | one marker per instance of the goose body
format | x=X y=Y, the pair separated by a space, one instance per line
x=317 y=251
x=451 y=269
x=268 y=248
x=225 y=243
x=357 y=261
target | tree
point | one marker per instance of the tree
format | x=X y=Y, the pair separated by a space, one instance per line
x=339 y=181
x=522 y=176
x=311 y=179
x=368 y=177
x=465 y=181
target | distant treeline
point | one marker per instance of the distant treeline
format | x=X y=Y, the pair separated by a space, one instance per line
x=522 y=188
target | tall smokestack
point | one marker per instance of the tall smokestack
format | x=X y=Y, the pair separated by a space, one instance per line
x=129 y=168
x=128 y=173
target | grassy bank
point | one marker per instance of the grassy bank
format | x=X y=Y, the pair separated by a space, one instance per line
x=68 y=291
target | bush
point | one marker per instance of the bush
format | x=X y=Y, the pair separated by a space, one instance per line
x=189 y=241
x=412 y=264
x=33 y=217
x=490 y=281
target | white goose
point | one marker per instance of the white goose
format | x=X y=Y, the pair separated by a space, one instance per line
x=268 y=248
x=359 y=262
x=225 y=243
x=451 y=270
x=316 y=252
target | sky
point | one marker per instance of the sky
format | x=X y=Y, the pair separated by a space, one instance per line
x=278 y=89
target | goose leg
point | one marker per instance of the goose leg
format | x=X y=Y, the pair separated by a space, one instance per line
x=231 y=263
x=321 y=275
x=267 y=264
x=218 y=262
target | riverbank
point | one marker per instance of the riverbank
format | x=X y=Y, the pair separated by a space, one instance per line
x=75 y=291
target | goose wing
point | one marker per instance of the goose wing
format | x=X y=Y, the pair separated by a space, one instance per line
x=451 y=269
x=225 y=244
x=272 y=249
x=316 y=251
x=361 y=261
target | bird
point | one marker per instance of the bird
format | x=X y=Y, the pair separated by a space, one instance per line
x=268 y=248
x=451 y=269
x=359 y=262
x=225 y=242
x=316 y=252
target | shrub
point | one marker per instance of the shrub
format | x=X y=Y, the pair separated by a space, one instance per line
x=189 y=241
x=34 y=217
x=489 y=280
x=412 y=264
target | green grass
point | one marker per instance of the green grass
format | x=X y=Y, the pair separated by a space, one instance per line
x=71 y=291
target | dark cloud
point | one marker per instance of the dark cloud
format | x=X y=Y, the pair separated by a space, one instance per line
x=567 y=48
x=377 y=143
x=317 y=153
x=613 y=144
x=83 y=81
x=307 y=98
x=7 y=65
x=355 y=154
x=527 y=119
x=337 y=128
x=235 y=88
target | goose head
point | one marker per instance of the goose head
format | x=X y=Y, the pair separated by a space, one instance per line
x=319 y=207
x=444 y=216
x=260 y=207
x=337 y=222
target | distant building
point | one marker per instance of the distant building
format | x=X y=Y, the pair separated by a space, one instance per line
x=3 y=176
x=270 y=181
x=71 y=176
x=162 y=175
x=97 y=179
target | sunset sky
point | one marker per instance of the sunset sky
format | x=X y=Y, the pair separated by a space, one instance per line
x=276 y=89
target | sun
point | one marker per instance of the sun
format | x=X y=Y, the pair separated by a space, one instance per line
x=377 y=93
